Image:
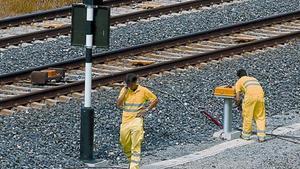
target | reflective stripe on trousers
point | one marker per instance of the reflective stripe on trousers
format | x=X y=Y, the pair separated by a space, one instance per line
x=131 y=137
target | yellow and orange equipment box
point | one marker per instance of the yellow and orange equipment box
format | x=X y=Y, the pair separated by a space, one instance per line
x=224 y=91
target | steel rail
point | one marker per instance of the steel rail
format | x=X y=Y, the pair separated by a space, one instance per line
x=146 y=70
x=51 y=14
x=38 y=35
x=97 y=58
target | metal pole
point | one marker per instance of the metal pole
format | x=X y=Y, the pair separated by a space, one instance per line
x=87 y=112
x=227 y=115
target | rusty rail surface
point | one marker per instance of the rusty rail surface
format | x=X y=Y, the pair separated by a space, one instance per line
x=39 y=35
x=53 y=13
x=15 y=76
x=142 y=71
x=154 y=68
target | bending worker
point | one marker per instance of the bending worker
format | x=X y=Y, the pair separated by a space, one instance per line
x=253 y=105
x=133 y=99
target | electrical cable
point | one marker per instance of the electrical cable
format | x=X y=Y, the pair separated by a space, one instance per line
x=202 y=111
x=284 y=137
x=279 y=136
x=170 y=95
x=292 y=141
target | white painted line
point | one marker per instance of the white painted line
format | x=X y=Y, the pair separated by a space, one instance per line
x=214 y=150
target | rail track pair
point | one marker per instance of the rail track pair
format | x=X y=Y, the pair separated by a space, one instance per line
x=17 y=90
x=134 y=13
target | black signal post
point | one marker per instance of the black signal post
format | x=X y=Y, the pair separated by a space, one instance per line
x=90 y=28
x=87 y=112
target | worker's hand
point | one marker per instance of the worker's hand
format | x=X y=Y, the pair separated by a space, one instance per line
x=240 y=108
x=126 y=89
x=142 y=112
x=238 y=102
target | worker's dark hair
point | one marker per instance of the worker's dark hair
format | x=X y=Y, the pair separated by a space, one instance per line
x=130 y=78
x=242 y=72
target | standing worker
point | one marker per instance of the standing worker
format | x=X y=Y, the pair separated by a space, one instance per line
x=133 y=99
x=253 y=105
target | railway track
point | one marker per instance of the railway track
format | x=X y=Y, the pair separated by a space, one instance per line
x=17 y=92
x=55 y=13
x=136 y=11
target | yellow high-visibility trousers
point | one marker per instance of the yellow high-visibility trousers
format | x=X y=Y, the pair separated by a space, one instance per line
x=254 y=108
x=131 y=137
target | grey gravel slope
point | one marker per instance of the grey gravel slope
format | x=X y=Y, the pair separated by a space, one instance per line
x=50 y=137
x=274 y=154
x=60 y=50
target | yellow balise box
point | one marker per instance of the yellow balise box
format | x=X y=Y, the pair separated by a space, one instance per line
x=225 y=91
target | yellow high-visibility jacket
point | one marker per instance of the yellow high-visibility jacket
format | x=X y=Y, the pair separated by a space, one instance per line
x=249 y=86
x=134 y=100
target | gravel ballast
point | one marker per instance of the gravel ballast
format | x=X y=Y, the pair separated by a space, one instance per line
x=143 y=32
x=49 y=138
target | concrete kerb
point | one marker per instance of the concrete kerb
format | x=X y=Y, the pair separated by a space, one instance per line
x=215 y=150
x=97 y=163
x=229 y=136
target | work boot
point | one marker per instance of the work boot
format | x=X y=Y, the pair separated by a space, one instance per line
x=261 y=139
x=245 y=137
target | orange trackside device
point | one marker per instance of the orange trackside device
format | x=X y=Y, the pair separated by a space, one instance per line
x=225 y=91
x=44 y=76
x=51 y=73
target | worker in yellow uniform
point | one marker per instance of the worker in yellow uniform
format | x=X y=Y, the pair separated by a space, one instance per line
x=136 y=101
x=253 y=105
